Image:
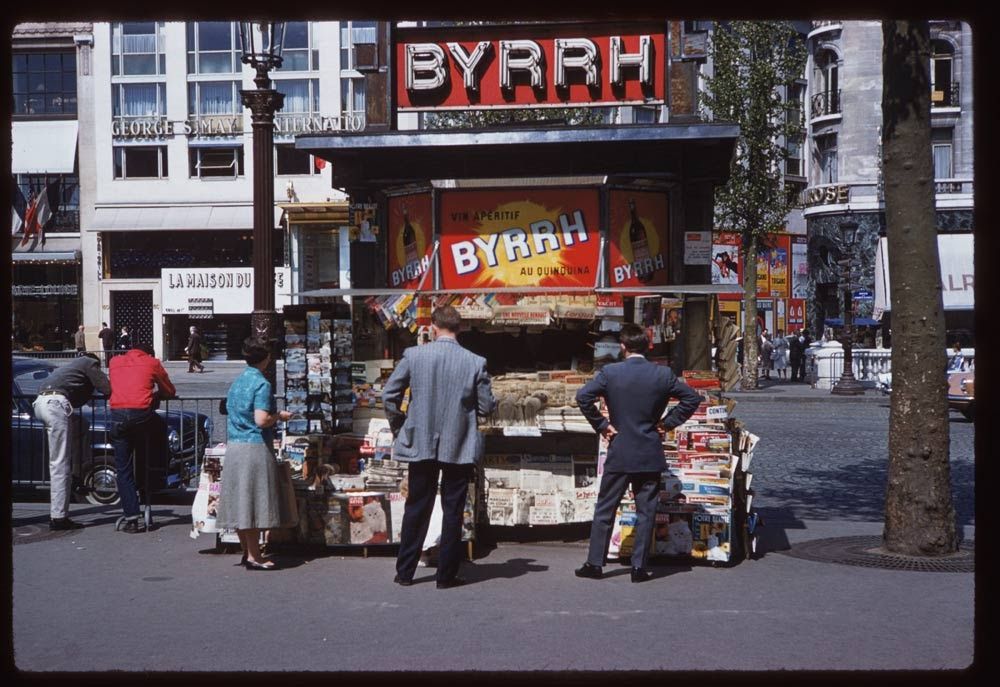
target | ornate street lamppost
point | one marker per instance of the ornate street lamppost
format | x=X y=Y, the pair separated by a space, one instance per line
x=847 y=385
x=261 y=44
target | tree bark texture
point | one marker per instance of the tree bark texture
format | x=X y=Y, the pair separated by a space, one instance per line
x=751 y=342
x=919 y=515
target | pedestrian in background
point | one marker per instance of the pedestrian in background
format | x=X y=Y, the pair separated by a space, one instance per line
x=249 y=499
x=438 y=436
x=780 y=354
x=806 y=341
x=125 y=339
x=636 y=392
x=795 y=354
x=193 y=350
x=766 y=357
x=107 y=337
x=69 y=386
x=80 y=339
x=138 y=383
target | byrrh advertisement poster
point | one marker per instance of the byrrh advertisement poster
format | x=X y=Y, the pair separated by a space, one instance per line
x=519 y=237
x=638 y=238
x=410 y=241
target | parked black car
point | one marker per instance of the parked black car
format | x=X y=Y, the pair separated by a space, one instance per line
x=94 y=476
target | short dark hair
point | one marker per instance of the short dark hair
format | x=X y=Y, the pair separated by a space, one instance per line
x=634 y=338
x=145 y=347
x=104 y=324
x=447 y=318
x=255 y=350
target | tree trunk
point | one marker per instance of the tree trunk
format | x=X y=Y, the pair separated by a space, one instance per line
x=919 y=516
x=751 y=342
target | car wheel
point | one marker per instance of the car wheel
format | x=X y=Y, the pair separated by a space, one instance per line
x=969 y=412
x=100 y=484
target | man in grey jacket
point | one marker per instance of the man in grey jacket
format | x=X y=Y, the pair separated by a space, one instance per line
x=438 y=434
x=69 y=386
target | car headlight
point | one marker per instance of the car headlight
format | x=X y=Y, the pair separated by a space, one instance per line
x=962 y=386
x=209 y=426
x=174 y=440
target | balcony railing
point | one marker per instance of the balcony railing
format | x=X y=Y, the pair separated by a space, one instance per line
x=952 y=186
x=947 y=96
x=825 y=103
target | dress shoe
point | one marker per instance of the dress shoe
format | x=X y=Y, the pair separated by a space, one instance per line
x=453 y=582
x=63 y=524
x=254 y=565
x=587 y=570
x=401 y=582
x=133 y=527
x=641 y=575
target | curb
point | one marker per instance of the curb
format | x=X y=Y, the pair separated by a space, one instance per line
x=826 y=398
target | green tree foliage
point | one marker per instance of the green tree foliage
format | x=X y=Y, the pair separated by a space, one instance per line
x=754 y=62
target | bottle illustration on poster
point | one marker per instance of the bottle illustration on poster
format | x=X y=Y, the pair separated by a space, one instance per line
x=640 y=245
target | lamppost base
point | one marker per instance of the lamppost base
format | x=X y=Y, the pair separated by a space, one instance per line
x=848 y=387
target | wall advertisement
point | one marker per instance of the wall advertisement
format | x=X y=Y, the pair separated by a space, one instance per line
x=638 y=238
x=410 y=241
x=519 y=237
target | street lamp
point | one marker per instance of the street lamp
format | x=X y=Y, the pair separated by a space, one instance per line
x=847 y=385
x=261 y=44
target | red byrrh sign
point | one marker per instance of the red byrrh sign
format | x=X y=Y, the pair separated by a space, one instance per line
x=539 y=65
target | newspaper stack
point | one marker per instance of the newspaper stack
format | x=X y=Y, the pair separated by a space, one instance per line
x=565 y=419
x=384 y=475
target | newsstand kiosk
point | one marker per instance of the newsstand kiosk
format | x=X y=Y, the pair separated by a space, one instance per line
x=546 y=239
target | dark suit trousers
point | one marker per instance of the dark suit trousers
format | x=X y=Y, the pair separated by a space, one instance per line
x=422 y=488
x=646 y=489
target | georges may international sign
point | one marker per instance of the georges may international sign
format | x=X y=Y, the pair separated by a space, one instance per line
x=519 y=237
x=533 y=65
x=229 y=288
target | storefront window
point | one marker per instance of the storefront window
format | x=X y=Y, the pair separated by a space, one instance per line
x=142 y=254
x=289 y=161
x=65 y=214
x=217 y=162
x=138 y=48
x=46 y=305
x=140 y=162
x=44 y=83
x=213 y=47
x=139 y=100
x=352 y=96
x=297 y=54
x=301 y=95
x=213 y=98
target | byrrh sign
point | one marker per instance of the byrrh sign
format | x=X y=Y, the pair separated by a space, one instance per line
x=534 y=65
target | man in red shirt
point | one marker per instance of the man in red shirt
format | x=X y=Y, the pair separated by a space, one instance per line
x=135 y=422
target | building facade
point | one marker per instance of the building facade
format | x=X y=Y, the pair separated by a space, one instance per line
x=167 y=212
x=51 y=68
x=843 y=160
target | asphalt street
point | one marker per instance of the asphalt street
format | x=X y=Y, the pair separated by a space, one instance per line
x=163 y=601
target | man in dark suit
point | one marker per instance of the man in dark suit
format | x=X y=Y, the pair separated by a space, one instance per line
x=636 y=392
x=107 y=337
x=449 y=387
x=795 y=352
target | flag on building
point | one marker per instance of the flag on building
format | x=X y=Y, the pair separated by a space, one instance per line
x=39 y=213
x=18 y=207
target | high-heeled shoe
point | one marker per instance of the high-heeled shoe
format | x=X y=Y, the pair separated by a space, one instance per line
x=254 y=565
x=243 y=560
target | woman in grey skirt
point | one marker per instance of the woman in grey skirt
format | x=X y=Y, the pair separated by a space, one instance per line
x=249 y=498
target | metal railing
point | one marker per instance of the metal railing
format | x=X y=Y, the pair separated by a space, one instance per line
x=867 y=364
x=946 y=97
x=824 y=103
x=193 y=424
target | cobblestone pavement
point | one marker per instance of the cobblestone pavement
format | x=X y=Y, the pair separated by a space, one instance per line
x=828 y=460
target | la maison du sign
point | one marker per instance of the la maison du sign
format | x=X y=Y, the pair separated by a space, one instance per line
x=136 y=128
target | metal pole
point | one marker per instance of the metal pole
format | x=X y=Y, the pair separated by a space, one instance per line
x=263 y=102
x=847 y=385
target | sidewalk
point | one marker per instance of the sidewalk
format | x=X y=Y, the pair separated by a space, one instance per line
x=161 y=601
x=774 y=390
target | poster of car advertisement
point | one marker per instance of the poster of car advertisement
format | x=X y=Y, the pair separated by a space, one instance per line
x=638 y=237
x=726 y=259
x=519 y=237
x=800 y=267
x=410 y=241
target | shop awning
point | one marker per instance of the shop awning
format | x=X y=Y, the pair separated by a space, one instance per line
x=176 y=217
x=44 y=147
x=42 y=256
x=694 y=151
x=314 y=213
x=956 y=253
x=690 y=289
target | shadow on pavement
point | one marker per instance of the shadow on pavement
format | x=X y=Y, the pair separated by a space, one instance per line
x=475 y=572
